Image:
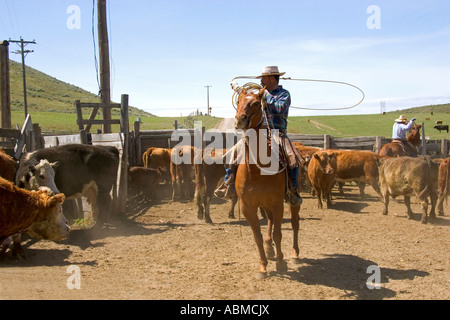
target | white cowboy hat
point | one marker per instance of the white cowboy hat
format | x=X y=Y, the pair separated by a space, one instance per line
x=271 y=71
x=402 y=118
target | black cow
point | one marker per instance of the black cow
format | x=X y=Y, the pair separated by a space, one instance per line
x=441 y=128
x=82 y=170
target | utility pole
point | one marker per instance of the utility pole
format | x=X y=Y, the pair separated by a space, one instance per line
x=207 y=100
x=103 y=47
x=24 y=53
x=5 y=97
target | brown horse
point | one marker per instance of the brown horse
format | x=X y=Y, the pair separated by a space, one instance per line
x=256 y=189
x=396 y=148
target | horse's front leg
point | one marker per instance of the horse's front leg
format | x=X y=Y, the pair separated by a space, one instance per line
x=251 y=215
x=295 y=223
x=277 y=236
x=270 y=252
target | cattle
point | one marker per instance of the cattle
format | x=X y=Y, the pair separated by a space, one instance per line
x=441 y=128
x=209 y=171
x=409 y=176
x=145 y=180
x=359 y=166
x=158 y=158
x=322 y=174
x=38 y=213
x=182 y=171
x=41 y=174
x=443 y=184
x=7 y=166
x=306 y=153
x=82 y=170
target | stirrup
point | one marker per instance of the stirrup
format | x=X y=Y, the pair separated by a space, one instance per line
x=225 y=191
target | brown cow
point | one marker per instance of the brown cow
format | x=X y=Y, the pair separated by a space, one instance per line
x=322 y=173
x=39 y=213
x=410 y=176
x=306 y=153
x=157 y=158
x=359 y=166
x=208 y=174
x=7 y=166
x=443 y=184
x=182 y=171
x=145 y=180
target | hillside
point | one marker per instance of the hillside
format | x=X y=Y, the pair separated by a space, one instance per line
x=48 y=94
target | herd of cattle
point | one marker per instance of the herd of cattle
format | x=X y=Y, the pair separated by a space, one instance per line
x=32 y=191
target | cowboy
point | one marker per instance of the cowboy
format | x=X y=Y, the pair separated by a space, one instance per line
x=278 y=101
x=400 y=129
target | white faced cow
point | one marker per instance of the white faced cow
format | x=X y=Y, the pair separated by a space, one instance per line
x=39 y=213
x=81 y=170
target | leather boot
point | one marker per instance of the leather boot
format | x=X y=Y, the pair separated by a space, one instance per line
x=295 y=199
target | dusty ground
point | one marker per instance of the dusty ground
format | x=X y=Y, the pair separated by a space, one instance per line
x=164 y=252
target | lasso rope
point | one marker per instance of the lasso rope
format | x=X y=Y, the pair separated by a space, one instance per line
x=255 y=86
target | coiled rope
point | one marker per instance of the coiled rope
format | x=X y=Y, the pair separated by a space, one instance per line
x=254 y=86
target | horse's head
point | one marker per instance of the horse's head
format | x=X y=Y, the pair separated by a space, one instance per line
x=414 y=136
x=249 y=110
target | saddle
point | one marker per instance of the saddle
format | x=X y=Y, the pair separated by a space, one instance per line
x=408 y=147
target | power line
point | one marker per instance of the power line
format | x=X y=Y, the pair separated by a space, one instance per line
x=22 y=43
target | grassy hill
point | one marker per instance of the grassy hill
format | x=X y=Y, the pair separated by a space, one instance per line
x=51 y=104
x=48 y=94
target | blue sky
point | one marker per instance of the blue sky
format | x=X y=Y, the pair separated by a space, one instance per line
x=164 y=53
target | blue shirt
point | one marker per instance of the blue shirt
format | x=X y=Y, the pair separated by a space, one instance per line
x=400 y=129
x=278 y=103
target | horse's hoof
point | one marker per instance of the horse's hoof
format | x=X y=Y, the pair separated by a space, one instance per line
x=295 y=260
x=261 y=275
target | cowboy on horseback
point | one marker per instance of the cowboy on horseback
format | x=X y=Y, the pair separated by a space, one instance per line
x=278 y=101
x=399 y=134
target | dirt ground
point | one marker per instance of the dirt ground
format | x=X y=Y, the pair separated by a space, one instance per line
x=163 y=252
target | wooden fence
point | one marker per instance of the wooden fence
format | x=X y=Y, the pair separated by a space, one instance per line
x=142 y=140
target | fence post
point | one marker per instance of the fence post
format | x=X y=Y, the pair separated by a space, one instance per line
x=378 y=142
x=326 y=141
x=424 y=147
x=444 y=148
x=137 y=143
x=79 y=115
x=123 y=183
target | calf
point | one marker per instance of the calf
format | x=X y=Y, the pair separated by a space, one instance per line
x=157 y=158
x=208 y=174
x=38 y=213
x=322 y=174
x=39 y=175
x=443 y=184
x=143 y=180
x=358 y=166
x=410 y=176
x=82 y=170
x=182 y=171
